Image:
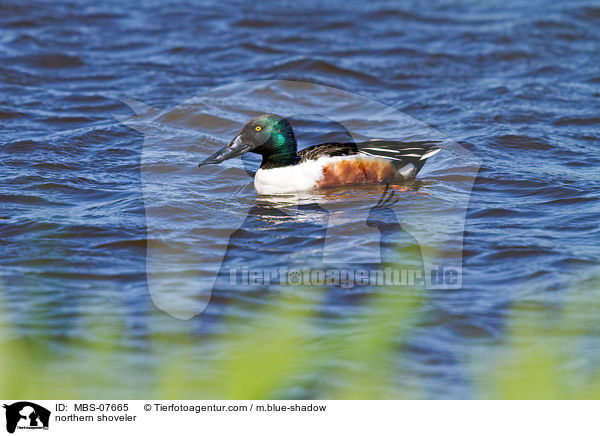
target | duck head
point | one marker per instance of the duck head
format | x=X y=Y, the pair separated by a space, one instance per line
x=269 y=135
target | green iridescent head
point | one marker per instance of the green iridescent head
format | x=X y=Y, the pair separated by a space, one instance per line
x=269 y=135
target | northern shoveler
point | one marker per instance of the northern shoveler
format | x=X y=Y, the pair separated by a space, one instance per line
x=286 y=170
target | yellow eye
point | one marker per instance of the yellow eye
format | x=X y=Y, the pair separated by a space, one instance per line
x=258 y=128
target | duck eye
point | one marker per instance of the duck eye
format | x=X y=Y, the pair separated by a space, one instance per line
x=258 y=128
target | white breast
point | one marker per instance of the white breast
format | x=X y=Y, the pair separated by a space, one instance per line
x=293 y=178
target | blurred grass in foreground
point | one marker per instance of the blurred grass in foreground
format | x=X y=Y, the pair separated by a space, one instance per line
x=283 y=352
x=550 y=352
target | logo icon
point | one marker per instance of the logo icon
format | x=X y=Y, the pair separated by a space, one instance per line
x=26 y=415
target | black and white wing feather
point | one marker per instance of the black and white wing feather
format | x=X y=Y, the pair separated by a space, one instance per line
x=328 y=149
x=407 y=157
x=401 y=153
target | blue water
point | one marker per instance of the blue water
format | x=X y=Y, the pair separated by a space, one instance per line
x=514 y=84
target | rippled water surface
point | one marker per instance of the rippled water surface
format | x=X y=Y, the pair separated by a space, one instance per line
x=513 y=87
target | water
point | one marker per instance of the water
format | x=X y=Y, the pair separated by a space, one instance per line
x=516 y=85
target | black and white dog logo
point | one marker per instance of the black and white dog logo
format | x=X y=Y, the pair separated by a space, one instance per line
x=26 y=415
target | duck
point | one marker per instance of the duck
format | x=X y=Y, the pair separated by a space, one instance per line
x=285 y=170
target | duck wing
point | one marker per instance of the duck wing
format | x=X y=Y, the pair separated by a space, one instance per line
x=399 y=152
x=314 y=152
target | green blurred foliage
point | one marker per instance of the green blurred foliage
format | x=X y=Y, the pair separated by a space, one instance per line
x=287 y=351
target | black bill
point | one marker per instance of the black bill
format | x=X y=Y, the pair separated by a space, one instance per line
x=234 y=149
